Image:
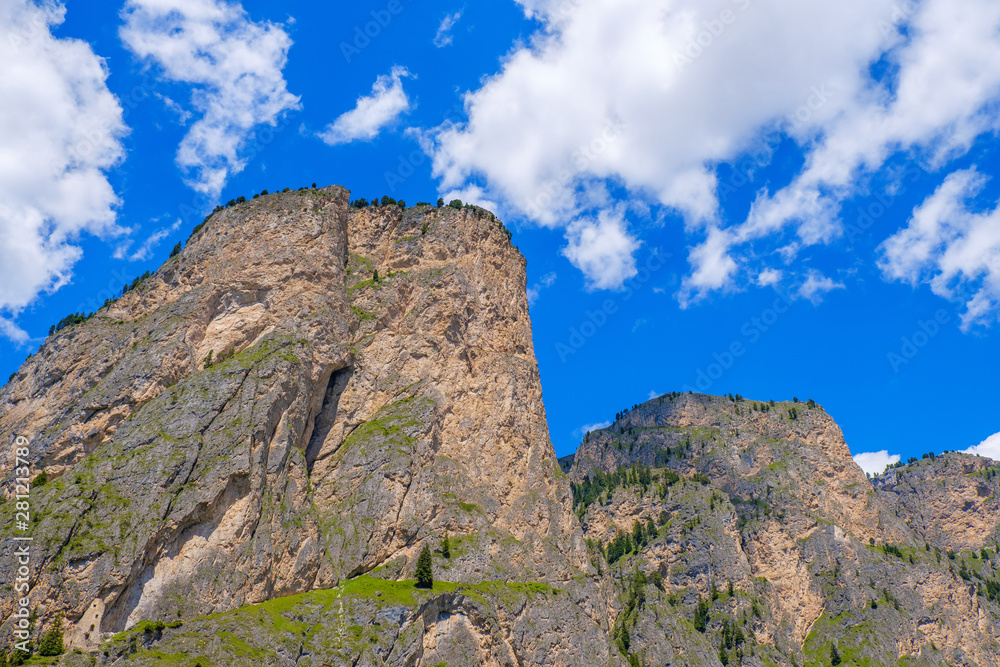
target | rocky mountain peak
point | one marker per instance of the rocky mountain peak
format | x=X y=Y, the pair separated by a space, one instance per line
x=307 y=392
x=244 y=454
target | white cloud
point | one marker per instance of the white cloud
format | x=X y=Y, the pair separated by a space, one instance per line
x=602 y=249
x=472 y=194
x=950 y=247
x=641 y=95
x=937 y=103
x=816 y=285
x=183 y=115
x=990 y=448
x=386 y=103
x=769 y=277
x=235 y=67
x=588 y=428
x=875 y=463
x=535 y=291
x=12 y=332
x=60 y=131
x=444 y=37
x=654 y=394
x=712 y=267
x=145 y=251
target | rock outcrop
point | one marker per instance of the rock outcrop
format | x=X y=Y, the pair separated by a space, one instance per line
x=244 y=455
x=306 y=393
x=950 y=501
x=756 y=511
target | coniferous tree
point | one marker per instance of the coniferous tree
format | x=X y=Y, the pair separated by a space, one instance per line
x=834 y=655
x=425 y=571
x=52 y=641
x=446 y=547
x=701 y=616
x=651 y=531
x=638 y=535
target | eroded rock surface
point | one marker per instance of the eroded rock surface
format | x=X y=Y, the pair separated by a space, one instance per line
x=757 y=511
x=307 y=392
x=246 y=454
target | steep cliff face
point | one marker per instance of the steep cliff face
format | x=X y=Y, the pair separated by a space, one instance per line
x=757 y=512
x=306 y=393
x=246 y=454
x=951 y=501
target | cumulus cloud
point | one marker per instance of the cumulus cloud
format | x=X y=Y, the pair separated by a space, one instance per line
x=936 y=104
x=712 y=267
x=234 y=66
x=386 y=103
x=588 y=428
x=535 y=291
x=60 y=131
x=12 y=332
x=875 y=463
x=990 y=448
x=651 y=95
x=817 y=285
x=950 y=247
x=145 y=251
x=444 y=37
x=602 y=249
x=769 y=277
x=473 y=194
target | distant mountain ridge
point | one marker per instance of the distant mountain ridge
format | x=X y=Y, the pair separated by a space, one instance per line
x=247 y=451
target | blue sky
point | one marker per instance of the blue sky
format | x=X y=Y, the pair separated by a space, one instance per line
x=749 y=196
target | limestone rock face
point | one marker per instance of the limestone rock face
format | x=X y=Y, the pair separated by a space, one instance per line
x=757 y=511
x=306 y=393
x=951 y=501
x=246 y=453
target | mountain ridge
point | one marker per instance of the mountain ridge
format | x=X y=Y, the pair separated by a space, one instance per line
x=260 y=438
